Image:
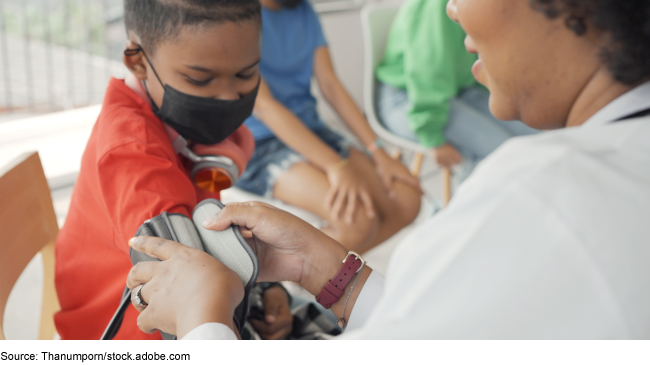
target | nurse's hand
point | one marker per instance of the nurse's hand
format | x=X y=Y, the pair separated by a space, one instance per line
x=288 y=248
x=184 y=290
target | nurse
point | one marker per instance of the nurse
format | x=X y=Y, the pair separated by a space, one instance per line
x=547 y=240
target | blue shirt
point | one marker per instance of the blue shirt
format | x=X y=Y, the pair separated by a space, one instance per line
x=289 y=39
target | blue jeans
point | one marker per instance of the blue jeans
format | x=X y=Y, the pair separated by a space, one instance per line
x=272 y=158
x=471 y=128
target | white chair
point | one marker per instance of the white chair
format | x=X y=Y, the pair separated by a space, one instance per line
x=376 y=21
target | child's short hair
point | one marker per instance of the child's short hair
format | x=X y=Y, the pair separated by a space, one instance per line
x=157 y=20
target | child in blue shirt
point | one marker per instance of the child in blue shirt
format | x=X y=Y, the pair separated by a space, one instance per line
x=302 y=162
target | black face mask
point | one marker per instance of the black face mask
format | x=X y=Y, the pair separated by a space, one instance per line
x=203 y=120
x=289 y=3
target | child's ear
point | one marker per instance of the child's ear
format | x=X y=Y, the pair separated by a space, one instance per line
x=135 y=62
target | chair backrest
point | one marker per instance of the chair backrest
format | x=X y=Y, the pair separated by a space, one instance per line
x=376 y=21
x=27 y=225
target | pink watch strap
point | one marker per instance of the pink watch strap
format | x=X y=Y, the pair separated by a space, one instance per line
x=334 y=288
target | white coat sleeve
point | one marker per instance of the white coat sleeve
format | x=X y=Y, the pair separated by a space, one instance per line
x=211 y=331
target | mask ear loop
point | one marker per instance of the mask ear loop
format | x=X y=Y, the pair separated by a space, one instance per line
x=133 y=52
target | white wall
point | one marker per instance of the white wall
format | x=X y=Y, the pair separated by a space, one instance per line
x=345 y=38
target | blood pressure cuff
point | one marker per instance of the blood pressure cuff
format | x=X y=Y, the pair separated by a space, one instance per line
x=229 y=247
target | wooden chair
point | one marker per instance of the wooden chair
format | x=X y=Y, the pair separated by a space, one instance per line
x=27 y=225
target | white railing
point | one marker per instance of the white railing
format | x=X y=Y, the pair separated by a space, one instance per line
x=57 y=54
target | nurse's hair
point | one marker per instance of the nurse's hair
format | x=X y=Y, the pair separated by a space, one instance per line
x=625 y=25
x=154 y=21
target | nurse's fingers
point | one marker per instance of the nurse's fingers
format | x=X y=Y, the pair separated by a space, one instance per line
x=141 y=273
x=247 y=216
x=246 y=233
x=146 y=321
x=155 y=247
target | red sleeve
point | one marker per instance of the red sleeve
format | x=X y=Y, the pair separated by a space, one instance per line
x=138 y=182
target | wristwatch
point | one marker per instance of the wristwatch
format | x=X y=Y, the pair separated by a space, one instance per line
x=333 y=290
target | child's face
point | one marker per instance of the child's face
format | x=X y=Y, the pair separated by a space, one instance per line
x=219 y=62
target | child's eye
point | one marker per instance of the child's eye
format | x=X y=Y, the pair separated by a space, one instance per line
x=198 y=82
x=247 y=76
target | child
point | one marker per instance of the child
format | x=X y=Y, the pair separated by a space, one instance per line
x=183 y=54
x=303 y=163
x=427 y=93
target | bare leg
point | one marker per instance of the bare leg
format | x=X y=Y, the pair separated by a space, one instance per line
x=305 y=186
x=394 y=214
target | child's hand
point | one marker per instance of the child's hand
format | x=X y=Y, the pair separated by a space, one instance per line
x=390 y=170
x=278 y=321
x=346 y=188
x=446 y=155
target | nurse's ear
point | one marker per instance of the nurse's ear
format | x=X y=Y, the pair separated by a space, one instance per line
x=134 y=60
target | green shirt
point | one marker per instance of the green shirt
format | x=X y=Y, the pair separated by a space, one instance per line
x=426 y=56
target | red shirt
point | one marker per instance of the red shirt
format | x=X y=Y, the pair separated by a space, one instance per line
x=129 y=173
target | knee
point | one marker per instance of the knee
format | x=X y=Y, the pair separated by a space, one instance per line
x=357 y=235
x=406 y=207
x=412 y=209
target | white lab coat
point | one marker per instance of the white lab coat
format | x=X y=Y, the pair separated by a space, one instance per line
x=548 y=239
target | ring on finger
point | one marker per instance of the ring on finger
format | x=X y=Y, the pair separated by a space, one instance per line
x=137 y=297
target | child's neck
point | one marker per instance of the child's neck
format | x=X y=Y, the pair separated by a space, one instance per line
x=136 y=86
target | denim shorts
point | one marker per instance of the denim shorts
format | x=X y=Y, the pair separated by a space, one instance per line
x=272 y=158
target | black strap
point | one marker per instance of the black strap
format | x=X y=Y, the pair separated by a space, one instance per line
x=116 y=322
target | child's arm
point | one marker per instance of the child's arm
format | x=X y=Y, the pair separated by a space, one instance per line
x=138 y=181
x=290 y=130
x=388 y=169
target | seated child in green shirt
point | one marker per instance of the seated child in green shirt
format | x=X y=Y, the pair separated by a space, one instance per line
x=427 y=93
